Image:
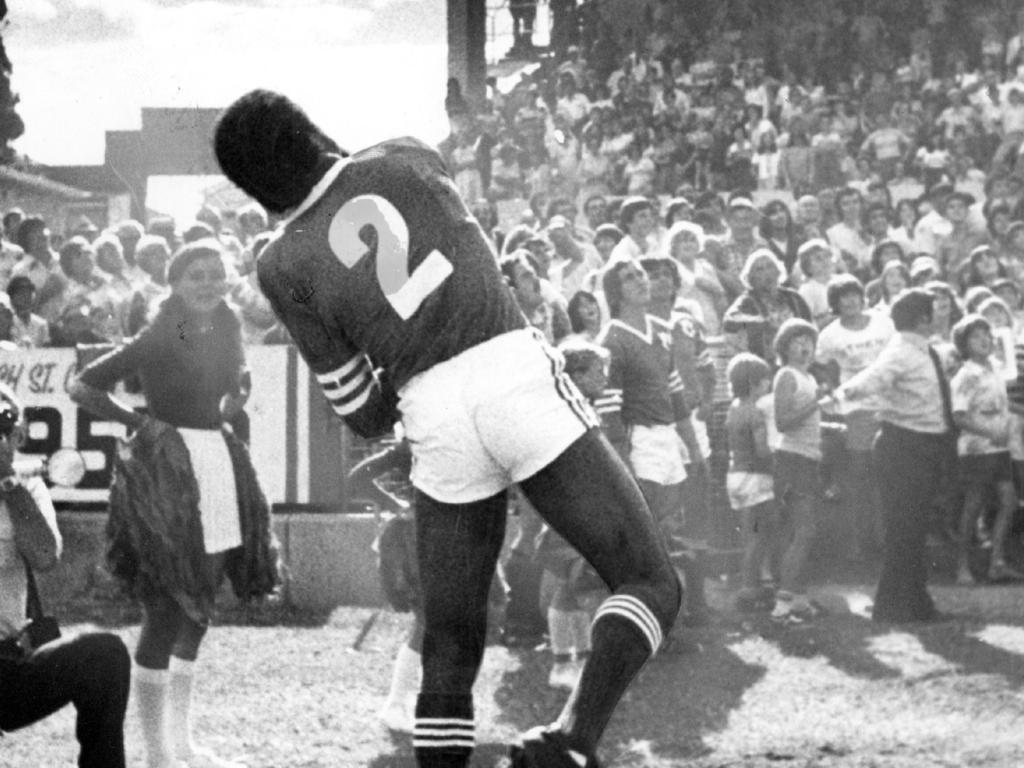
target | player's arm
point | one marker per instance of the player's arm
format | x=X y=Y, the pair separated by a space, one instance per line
x=360 y=395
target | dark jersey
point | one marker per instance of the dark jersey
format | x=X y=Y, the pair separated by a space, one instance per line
x=383 y=268
x=643 y=384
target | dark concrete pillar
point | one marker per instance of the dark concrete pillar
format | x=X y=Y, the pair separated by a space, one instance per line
x=467 y=35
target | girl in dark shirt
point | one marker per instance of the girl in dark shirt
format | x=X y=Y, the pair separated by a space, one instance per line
x=176 y=528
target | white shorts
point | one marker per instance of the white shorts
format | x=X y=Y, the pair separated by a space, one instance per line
x=657 y=453
x=218 y=500
x=748 y=489
x=491 y=416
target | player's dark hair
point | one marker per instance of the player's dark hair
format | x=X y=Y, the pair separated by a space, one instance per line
x=651 y=263
x=268 y=146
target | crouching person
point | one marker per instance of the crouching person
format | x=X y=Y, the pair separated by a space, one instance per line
x=37 y=678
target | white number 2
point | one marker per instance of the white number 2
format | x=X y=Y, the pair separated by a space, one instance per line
x=403 y=291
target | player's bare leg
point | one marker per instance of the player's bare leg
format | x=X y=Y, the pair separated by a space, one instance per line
x=589 y=497
x=458 y=547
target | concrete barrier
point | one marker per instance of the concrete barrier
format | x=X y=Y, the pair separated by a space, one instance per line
x=328 y=556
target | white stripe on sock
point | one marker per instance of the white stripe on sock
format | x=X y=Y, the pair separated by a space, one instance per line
x=636 y=611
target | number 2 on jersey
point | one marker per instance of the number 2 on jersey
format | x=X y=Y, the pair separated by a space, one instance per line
x=404 y=292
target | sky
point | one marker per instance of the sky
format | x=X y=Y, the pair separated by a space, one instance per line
x=365 y=70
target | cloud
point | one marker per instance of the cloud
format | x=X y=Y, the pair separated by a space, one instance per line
x=50 y=22
x=57 y=21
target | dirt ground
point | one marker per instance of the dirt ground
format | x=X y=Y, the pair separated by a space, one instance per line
x=285 y=690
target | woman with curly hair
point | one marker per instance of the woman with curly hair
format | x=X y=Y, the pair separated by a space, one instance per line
x=176 y=528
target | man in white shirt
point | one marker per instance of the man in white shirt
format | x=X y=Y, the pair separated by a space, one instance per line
x=911 y=452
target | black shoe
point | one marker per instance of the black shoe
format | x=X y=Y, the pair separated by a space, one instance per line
x=546 y=749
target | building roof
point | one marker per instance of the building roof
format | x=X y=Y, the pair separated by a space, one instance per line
x=95 y=178
x=40 y=184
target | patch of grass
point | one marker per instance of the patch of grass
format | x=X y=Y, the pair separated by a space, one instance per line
x=288 y=689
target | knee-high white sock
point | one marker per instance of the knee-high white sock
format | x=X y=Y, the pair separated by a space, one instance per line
x=405 y=677
x=181 y=673
x=150 y=690
x=581 y=631
x=560 y=630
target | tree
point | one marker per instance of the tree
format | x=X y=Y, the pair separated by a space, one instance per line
x=11 y=125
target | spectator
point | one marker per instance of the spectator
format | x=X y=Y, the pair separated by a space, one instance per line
x=28 y=330
x=174 y=469
x=85 y=287
x=129 y=232
x=638 y=222
x=40 y=265
x=847 y=235
x=845 y=348
x=914 y=407
x=573 y=259
x=797 y=462
x=585 y=319
x=882 y=255
x=749 y=481
x=981 y=411
x=152 y=257
x=759 y=312
x=606 y=237
x=815 y=258
x=780 y=233
x=954 y=249
x=10 y=252
x=743 y=238
x=893 y=281
x=700 y=291
x=808 y=221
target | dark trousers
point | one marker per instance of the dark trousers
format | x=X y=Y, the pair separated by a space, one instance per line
x=91 y=671
x=909 y=468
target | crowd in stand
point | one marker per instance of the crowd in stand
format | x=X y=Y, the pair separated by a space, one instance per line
x=85 y=286
x=780 y=218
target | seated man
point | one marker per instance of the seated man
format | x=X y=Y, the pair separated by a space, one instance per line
x=90 y=671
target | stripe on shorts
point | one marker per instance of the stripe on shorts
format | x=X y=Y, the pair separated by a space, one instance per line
x=443 y=732
x=636 y=611
x=564 y=385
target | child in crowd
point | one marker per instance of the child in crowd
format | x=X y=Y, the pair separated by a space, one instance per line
x=797 y=461
x=569 y=585
x=749 y=481
x=981 y=411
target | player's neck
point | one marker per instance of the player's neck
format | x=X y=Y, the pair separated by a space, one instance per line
x=634 y=316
